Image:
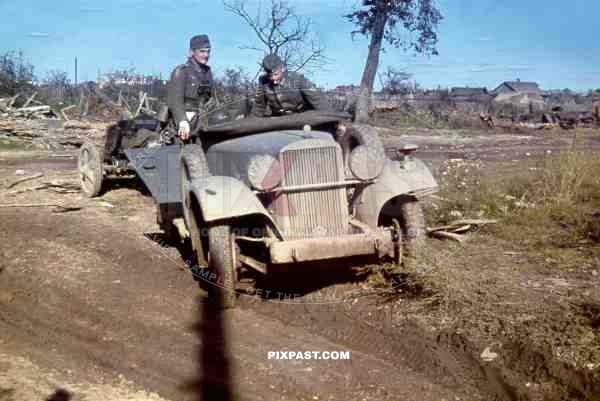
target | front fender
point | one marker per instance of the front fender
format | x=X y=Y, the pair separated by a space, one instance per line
x=397 y=178
x=224 y=198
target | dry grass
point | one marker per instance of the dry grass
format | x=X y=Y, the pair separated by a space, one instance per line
x=561 y=194
x=425 y=119
x=532 y=278
x=528 y=287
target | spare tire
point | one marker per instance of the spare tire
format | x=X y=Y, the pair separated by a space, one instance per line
x=367 y=154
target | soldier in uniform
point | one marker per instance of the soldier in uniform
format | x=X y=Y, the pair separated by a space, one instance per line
x=191 y=87
x=284 y=92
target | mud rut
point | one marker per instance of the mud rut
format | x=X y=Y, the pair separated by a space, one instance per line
x=71 y=300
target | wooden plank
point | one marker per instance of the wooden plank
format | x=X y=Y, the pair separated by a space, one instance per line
x=443 y=234
x=62 y=111
x=23 y=179
x=142 y=100
x=59 y=207
x=29 y=100
x=12 y=100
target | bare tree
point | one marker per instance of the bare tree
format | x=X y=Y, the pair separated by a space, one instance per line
x=16 y=74
x=381 y=19
x=234 y=82
x=279 y=30
x=395 y=82
x=56 y=88
x=232 y=88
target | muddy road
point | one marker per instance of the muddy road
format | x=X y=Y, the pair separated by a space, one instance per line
x=90 y=296
x=94 y=302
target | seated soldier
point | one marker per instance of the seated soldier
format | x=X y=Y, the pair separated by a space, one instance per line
x=284 y=92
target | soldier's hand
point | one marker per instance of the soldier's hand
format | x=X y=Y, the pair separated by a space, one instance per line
x=184 y=130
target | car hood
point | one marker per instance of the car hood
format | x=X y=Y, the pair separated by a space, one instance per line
x=232 y=157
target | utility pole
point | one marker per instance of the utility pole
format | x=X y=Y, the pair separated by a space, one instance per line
x=75 y=71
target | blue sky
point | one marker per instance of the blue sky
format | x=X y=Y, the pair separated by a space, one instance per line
x=482 y=42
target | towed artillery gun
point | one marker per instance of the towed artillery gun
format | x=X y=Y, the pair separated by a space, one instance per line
x=259 y=193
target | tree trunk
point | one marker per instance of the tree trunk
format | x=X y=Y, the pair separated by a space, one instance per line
x=368 y=78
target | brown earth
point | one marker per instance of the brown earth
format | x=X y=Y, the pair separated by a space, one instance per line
x=95 y=302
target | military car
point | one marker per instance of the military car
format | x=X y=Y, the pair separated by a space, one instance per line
x=259 y=193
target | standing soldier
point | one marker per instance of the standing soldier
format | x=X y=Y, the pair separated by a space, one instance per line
x=191 y=86
x=284 y=92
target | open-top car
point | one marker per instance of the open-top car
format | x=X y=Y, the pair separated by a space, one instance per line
x=259 y=193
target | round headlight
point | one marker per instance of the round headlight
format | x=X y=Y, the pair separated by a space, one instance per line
x=264 y=172
x=365 y=163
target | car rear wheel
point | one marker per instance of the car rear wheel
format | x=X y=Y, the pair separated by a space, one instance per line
x=91 y=172
x=222 y=264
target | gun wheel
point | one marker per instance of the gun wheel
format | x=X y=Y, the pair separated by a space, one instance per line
x=91 y=172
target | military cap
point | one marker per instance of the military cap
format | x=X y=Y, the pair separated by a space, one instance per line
x=272 y=62
x=199 y=42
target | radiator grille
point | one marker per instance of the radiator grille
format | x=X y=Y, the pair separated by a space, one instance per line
x=314 y=212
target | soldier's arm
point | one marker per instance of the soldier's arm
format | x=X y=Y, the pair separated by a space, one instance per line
x=260 y=105
x=311 y=95
x=175 y=95
x=213 y=89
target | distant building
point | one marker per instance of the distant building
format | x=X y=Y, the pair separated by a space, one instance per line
x=132 y=80
x=470 y=99
x=466 y=94
x=519 y=93
x=458 y=91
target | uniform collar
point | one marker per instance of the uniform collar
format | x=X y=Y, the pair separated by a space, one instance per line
x=283 y=79
x=193 y=63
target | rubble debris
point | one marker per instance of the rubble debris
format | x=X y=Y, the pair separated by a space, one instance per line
x=455 y=230
x=488 y=356
x=37 y=126
x=23 y=179
x=58 y=208
x=55 y=186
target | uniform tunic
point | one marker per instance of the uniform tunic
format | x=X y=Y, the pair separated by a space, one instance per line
x=190 y=87
x=293 y=94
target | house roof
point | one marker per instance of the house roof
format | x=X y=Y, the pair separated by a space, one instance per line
x=466 y=91
x=520 y=86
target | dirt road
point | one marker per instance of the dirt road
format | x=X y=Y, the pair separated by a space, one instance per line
x=98 y=299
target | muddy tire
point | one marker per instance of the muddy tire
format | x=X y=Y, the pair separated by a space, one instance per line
x=198 y=236
x=193 y=166
x=90 y=168
x=412 y=223
x=223 y=264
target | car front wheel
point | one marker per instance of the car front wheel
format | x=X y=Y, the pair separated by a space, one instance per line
x=222 y=264
x=412 y=223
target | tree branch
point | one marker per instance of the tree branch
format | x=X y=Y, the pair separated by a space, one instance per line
x=281 y=32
